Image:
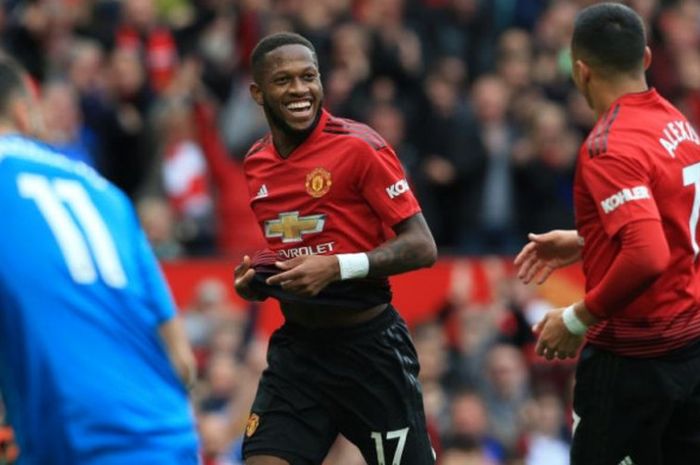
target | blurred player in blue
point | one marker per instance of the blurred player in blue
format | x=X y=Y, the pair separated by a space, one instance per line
x=93 y=362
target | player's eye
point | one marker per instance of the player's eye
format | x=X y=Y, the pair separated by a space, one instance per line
x=281 y=80
x=310 y=76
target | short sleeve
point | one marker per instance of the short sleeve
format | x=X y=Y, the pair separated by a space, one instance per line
x=620 y=187
x=384 y=186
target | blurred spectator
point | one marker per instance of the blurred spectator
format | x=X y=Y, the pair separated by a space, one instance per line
x=495 y=233
x=210 y=308
x=463 y=450
x=217 y=448
x=63 y=123
x=237 y=230
x=8 y=448
x=545 y=165
x=464 y=30
x=141 y=33
x=470 y=419
x=185 y=176
x=477 y=332
x=506 y=391
x=514 y=61
x=545 y=438
x=390 y=123
x=220 y=381
x=123 y=124
x=452 y=163
x=158 y=222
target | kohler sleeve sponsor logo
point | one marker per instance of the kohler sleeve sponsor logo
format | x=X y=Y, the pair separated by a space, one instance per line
x=676 y=132
x=398 y=188
x=624 y=196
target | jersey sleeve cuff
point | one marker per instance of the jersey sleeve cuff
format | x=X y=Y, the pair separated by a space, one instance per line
x=594 y=307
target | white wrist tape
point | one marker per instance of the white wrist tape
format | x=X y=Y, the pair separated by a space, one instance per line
x=353 y=265
x=573 y=323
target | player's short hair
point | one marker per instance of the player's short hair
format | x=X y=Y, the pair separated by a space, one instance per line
x=609 y=37
x=272 y=42
x=12 y=82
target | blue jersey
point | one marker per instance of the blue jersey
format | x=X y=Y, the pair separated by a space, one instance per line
x=83 y=372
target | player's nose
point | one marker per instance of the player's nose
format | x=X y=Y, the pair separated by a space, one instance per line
x=298 y=87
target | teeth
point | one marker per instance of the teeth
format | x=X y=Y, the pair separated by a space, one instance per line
x=299 y=105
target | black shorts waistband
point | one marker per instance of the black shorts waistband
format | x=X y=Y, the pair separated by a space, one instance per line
x=686 y=352
x=373 y=326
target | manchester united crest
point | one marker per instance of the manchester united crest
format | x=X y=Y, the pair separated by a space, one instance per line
x=252 y=426
x=318 y=182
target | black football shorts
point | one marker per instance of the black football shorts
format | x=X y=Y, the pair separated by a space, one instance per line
x=359 y=381
x=634 y=411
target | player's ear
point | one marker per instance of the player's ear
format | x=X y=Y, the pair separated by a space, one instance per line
x=647 y=58
x=256 y=93
x=20 y=114
x=581 y=73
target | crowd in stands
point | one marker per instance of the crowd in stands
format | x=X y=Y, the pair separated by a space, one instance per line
x=474 y=95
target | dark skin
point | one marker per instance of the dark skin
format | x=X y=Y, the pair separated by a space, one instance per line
x=289 y=76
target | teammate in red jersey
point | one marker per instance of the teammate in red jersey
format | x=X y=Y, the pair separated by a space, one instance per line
x=327 y=193
x=637 y=198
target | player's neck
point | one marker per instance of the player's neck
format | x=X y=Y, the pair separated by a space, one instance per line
x=609 y=92
x=286 y=140
x=7 y=128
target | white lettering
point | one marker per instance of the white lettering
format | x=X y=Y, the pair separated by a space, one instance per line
x=676 y=132
x=318 y=249
x=668 y=146
x=398 y=188
x=681 y=129
x=625 y=195
x=693 y=135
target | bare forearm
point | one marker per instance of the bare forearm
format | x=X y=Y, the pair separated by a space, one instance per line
x=180 y=353
x=412 y=248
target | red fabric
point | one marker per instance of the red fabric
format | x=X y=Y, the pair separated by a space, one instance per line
x=643 y=255
x=159 y=50
x=185 y=173
x=642 y=162
x=238 y=232
x=333 y=194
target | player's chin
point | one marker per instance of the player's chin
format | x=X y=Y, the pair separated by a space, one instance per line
x=300 y=121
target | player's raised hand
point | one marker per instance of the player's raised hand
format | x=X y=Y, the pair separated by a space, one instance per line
x=547 y=252
x=306 y=275
x=243 y=275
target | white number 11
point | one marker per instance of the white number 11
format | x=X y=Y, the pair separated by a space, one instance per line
x=50 y=198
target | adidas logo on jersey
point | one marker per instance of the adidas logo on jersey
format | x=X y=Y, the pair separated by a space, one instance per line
x=262 y=193
x=626 y=461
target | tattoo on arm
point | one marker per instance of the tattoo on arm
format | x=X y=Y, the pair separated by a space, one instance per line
x=412 y=248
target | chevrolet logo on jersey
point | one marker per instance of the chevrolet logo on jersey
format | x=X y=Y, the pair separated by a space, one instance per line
x=291 y=227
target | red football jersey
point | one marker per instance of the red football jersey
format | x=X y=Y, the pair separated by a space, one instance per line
x=338 y=192
x=642 y=161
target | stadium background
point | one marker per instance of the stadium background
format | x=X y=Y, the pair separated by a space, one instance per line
x=475 y=96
